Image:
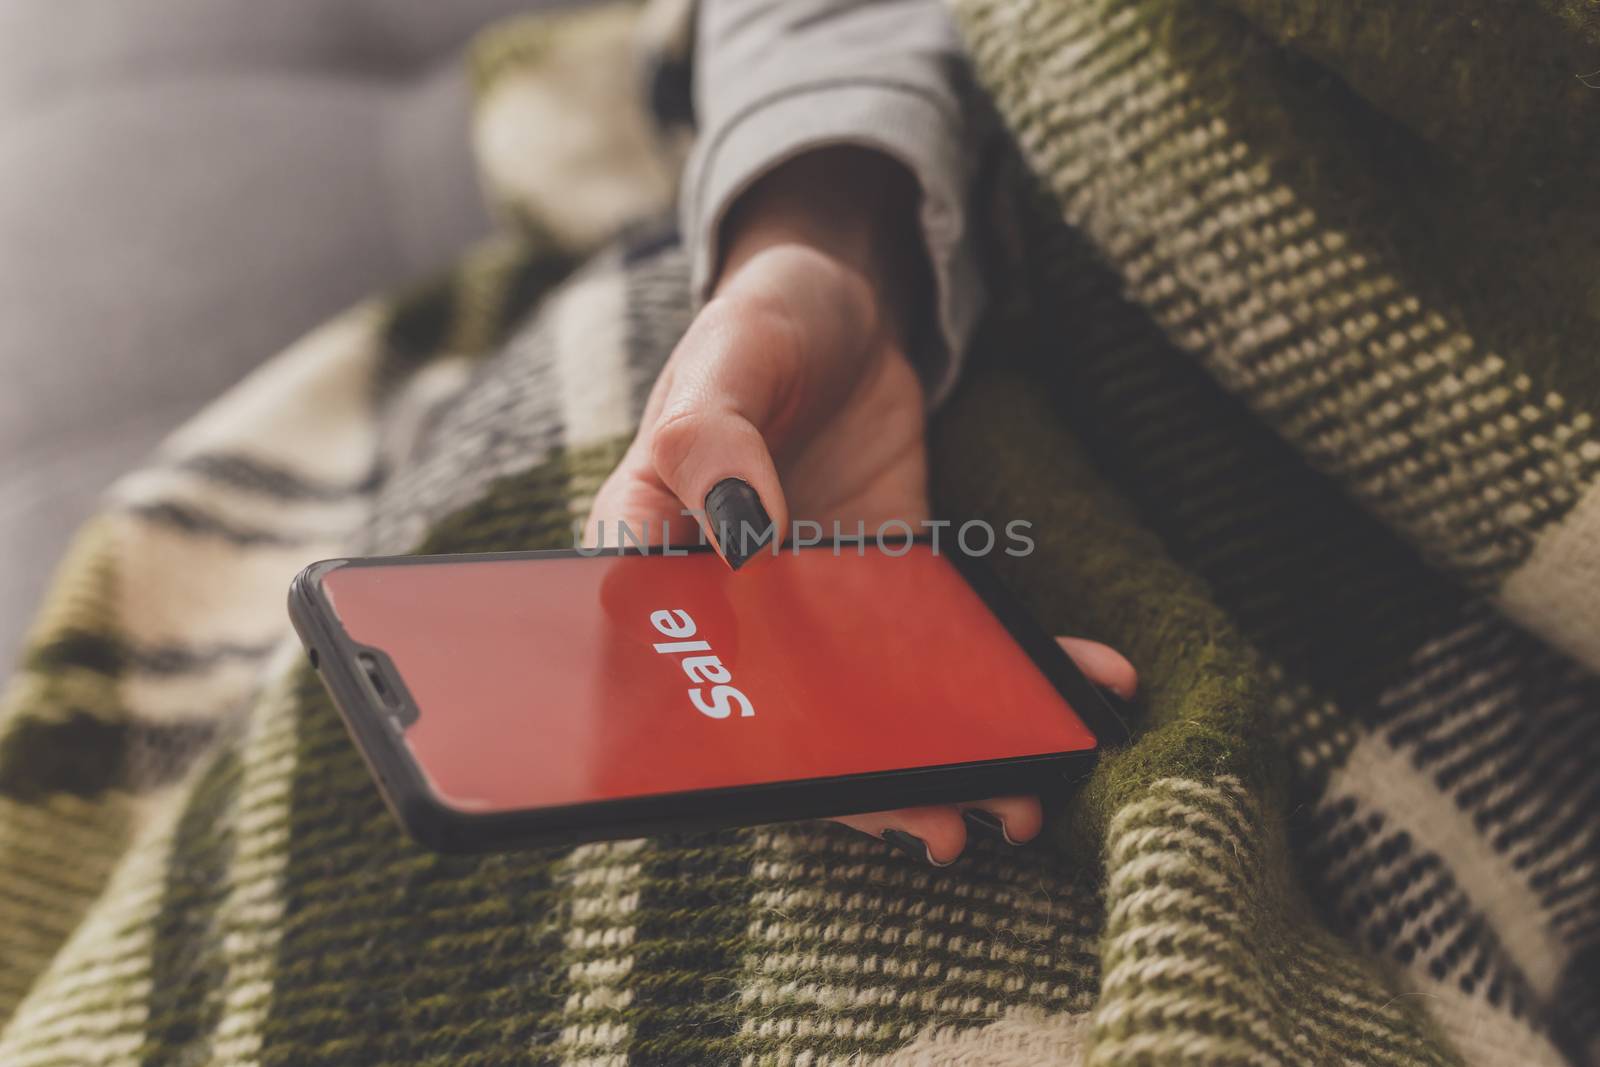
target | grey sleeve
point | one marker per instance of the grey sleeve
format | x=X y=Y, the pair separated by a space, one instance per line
x=776 y=78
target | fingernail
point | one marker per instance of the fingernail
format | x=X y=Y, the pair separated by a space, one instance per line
x=738 y=521
x=912 y=846
x=988 y=822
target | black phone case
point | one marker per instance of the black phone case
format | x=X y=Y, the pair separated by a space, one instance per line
x=378 y=734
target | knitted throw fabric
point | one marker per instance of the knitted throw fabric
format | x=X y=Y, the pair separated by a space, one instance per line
x=1291 y=372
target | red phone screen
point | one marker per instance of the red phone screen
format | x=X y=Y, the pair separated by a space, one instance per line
x=560 y=681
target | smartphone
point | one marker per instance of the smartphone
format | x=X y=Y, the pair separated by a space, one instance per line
x=528 y=698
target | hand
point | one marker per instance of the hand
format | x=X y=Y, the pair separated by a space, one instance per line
x=790 y=397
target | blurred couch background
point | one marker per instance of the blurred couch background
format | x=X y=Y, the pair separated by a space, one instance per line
x=185 y=187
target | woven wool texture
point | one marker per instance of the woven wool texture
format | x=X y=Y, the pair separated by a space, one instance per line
x=1290 y=372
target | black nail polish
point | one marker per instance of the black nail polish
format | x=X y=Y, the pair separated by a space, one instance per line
x=912 y=846
x=737 y=520
x=987 y=822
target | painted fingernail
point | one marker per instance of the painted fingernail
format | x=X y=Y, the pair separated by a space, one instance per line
x=738 y=521
x=989 y=823
x=912 y=846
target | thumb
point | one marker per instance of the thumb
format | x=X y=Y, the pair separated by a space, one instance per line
x=756 y=369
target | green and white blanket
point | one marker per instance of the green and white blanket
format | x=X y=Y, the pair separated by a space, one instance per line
x=1294 y=374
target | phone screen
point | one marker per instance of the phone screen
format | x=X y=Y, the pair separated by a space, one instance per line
x=545 y=682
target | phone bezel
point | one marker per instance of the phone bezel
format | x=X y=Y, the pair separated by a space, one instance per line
x=442 y=827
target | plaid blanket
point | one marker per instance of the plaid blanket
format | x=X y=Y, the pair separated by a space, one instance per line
x=1286 y=373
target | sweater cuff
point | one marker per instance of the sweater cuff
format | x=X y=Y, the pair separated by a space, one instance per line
x=895 y=119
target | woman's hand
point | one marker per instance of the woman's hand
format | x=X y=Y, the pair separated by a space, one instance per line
x=790 y=397
x=796 y=365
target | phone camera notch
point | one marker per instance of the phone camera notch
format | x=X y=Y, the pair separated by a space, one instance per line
x=380 y=686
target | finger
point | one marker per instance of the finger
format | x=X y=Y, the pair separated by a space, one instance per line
x=934 y=834
x=1102 y=665
x=938 y=830
x=632 y=506
x=759 y=365
x=1014 y=820
x=632 y=494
